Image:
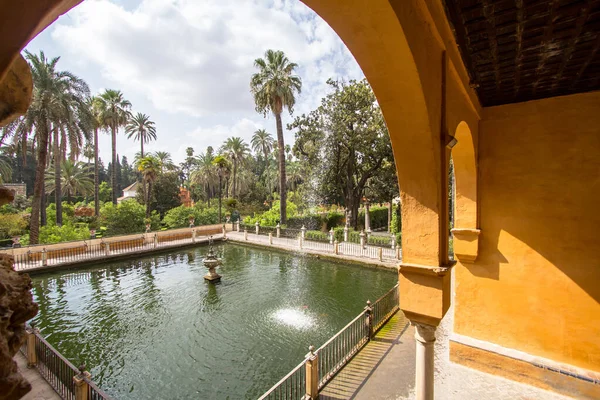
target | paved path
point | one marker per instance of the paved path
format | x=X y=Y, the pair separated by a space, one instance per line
x=369 y=374
x=386 y=257
x=41 y=390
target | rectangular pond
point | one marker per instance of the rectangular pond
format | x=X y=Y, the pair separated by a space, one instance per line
x=152 y=328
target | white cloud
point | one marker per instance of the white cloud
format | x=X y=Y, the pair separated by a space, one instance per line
x=196 y=57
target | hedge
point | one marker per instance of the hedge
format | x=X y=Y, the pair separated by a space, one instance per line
x=310 y=222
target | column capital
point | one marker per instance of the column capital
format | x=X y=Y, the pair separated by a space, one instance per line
x=424 y=333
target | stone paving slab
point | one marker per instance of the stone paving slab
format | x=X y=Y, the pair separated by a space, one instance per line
x=369 y=376
x=41 y=390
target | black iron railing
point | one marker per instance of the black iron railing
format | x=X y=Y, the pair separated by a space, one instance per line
x=339 y=350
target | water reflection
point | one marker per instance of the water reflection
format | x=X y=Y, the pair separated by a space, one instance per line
x=232 y=339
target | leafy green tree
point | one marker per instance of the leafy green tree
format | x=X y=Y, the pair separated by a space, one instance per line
x=274 y=88
x=348 y=142
x=236 y=150
x=165 y=193
x=141 y=128
x=113 y=111
x=104 y=192
x=188 y=164
x=126 y=217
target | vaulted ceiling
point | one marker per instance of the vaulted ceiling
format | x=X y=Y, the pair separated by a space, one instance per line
x=520 y=50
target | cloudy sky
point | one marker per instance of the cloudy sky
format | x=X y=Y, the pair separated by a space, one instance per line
x=187 y=63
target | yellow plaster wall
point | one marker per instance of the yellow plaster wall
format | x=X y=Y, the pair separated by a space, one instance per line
x=535 y=286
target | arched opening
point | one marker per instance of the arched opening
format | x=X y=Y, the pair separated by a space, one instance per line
x=465 y=171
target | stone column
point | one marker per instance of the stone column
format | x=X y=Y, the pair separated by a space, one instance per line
x=193 y=236
x=312 y=374
x=367 y=217
x=81 y=386
x=224 y=232
x=331 y=233
x=336 y=247
x=238 y=225
x=31 y=354
x=245 y=234
x=44 y=257
x=278 y=230
x=303 y=231
x=362 y=239
x=155 y=240
x=107 y=248
x=256 y=225
x=380 y=254
x=270 y=238
x=346 y=229
x=425 y=339
x=393 y=241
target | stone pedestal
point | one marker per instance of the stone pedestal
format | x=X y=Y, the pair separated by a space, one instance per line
x=211 y=276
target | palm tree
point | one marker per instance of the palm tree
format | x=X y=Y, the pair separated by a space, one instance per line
x=206 y=174
x=262 y=142
x=141 y=128
x=222 y=166
x=75 y=178
x=95 y=105
x=294 y=176
x=150 y=167
x=236 y=150
x=56 y=106
x=114 y=113
x=166 y=162
x=274 y=88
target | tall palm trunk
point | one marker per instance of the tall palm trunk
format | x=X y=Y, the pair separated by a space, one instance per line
x=96 y=177
x=114 y=163
x=38 y=187
x=57 y=180
x=148 y=193
x=142 y=144
x=220 y=188
x=234 y=177
x=43 y=216
x=282 y=178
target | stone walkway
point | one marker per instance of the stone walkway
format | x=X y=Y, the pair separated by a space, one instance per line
x=346 y=250
x=41 y=390
x=369 y=376
x=385 y=369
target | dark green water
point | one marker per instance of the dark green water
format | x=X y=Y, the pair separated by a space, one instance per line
x=152 y=328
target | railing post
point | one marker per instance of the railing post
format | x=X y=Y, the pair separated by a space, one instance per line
x=303 y=231
x=331 y=233
x=397 y=253
x=336 y=248
x=44 y=257
x=81 y=386
x=312 y=374
x=278 y=230
x=155 y=240
x=393 y=241
x=106 y=248
x=346 y=229
x=300 y=240
x=31 y=354
x=193 y=236
x=257 y=227
x=362 y=239
x=245 y=234
x=224 y=232
x=270 y=238
x=369 y=313
x=238 y=225
x=381 y=254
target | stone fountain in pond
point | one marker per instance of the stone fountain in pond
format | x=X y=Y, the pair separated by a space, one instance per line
x=211 y=262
